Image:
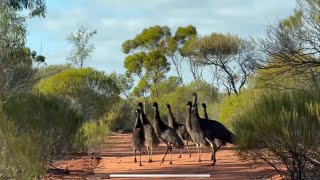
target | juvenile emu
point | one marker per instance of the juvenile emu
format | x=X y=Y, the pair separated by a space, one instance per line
x=138 y=137
x=151 y=139
x=180 y=129
x=168 y=135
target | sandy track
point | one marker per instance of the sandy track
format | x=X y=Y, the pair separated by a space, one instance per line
x=119 y=159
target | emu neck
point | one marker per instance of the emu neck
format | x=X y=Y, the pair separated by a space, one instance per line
x=195 y=102
x=195 y=125
x=144 y=118
x=171 y=121
x=138 y=123
x=188 y=120
x=205 y=114
x=157 y=120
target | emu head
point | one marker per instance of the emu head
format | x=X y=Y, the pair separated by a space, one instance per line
x=140 y=105
x=204 y=105
x=155 y=104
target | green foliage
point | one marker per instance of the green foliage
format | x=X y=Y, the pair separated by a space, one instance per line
x=92 y=135
x=36 y=7
x=82 y=48
x=230 y=107
x=179 y=97
x=121 y=117
x=48 y=71
x=93 y=90
x=35 y=130
x=288 y=125
x=147 y=59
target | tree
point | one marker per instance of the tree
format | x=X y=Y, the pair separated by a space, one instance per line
x=82 y=48
x=16 y=61
x=189 y=51
x=293 y=48
x=175 y=45
x=147 y=60
x=36 y=7
x=92 y=90
x=231 y=58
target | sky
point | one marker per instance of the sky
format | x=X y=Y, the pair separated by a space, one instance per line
x=120 y=20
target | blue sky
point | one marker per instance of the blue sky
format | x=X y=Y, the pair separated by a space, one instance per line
x=119 y=20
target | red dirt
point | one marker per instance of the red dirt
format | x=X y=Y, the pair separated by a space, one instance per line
x=119 y=159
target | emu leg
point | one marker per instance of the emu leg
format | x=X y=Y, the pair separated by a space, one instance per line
x=188 y=149
x=199 y=154
x=180 y=153
x=150 y=160
x=135 y=157
x=168 y=148
x=199 y=159
x=148 y=150
x=140 y=158
x=170 y=155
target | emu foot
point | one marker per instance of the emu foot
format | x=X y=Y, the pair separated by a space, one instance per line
x=179 y=156
x=140 y=164
x=161 y=161
x=135 y=160
x=170 y=162
x=189 y=155
x=150 y=161
x=199 y=160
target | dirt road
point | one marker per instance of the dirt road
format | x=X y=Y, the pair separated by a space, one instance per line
x=118 y=158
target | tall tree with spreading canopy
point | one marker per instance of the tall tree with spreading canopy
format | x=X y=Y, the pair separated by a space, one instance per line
x=175 y=45
x=231 y=58
x=82 y=48
x=147 y=59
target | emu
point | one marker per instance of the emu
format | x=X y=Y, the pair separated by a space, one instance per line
x=138 y=137
x=168 y=135
x=179 y=128
x=205 y=116
x=196 y=134
x=210 y=129
x=151 y=138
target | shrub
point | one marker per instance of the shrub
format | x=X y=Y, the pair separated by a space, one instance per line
x=35 y=130
x=284 y=125
x=232 y=106
x=122 y=116
x=93 y=90
x=92 y=135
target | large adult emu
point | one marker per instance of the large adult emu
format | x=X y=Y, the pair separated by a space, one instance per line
x=211 y=129
x=179 y=128
x=168 y=135
x=197 y=135
x=151 y=139
x=138 y=137
x=217 y=141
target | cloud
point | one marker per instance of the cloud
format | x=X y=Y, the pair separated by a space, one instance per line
x=117 y=21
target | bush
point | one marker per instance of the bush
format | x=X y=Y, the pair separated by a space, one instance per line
x=284 y=125
x=178 y=98
x=122 y=116
x=93 y=90
x=35 y=130
x=232 y=106
x=92 y=135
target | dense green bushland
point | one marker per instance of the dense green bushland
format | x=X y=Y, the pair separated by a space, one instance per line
x=35 y=130
x=285 y=125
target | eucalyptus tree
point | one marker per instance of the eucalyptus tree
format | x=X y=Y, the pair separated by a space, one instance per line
x=146 y=59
